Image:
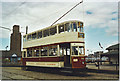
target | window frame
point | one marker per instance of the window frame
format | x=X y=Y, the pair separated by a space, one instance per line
x=53 y=48
x=42 y=55
x=34 y=35
x=61 y=30
x=78 y=53
x=29 y=37
x=29 y=53
x=74 y=27
x=53 y=29
x=45 y=32
x=40 y=34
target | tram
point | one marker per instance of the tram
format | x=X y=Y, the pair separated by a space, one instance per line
x=59 y=46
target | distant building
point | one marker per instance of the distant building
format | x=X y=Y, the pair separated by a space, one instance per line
x=97 y=54
x=112 y=54
x=90 y=58
x=91 y=55
x=15 y=44
x=14 y=54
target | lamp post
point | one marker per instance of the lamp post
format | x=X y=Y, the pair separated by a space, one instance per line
x=6 y=48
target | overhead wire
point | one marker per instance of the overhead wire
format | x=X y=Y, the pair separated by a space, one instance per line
x=15 y=9
x=5 y=28
x=67 y=12
x=52 y=13
x=11 y=13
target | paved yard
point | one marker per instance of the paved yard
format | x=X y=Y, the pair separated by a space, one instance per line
x=15 y=73
x=103 y=67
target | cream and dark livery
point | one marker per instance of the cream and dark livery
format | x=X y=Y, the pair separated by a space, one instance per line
x=61 y=45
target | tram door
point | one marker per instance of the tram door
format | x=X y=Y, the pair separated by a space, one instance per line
x=65 y=50
x=67 y=57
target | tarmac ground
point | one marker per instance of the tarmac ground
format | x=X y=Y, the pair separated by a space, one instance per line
x=16 y=73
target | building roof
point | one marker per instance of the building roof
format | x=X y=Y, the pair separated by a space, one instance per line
x=110 y=53
x=116 y=46
x=8 y=53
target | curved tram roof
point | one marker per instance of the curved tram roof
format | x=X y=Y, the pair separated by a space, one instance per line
x=55 y=25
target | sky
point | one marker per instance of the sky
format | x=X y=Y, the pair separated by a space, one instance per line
x=100 y=19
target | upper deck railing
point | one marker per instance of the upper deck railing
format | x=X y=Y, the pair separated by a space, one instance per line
x=68 y=26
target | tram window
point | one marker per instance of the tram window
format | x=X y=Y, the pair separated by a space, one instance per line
x=24 y=38
x=74 y=50
x=71 y=29
x=80 y=24
x=29 y=37
x=40 y=34
x=61 y=52
x=29 y=53
x=44 y=51
x=66 y=26
x=81 y=29
x=53 y=51
x=46 y=33
x=78 y=28
x=37 y=53
x=81 y=50
x=61 y=28
x=24 y=54
x=53 y=31
x=34 y=36
x=74 y=27
x=81 y=35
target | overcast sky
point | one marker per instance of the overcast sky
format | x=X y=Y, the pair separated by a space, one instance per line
x=100 y=19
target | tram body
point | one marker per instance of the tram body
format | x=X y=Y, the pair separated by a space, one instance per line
x=61 y=46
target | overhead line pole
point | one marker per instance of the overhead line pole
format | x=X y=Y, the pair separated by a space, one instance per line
x=67 y=12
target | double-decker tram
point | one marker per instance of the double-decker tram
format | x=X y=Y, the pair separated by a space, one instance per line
x=58 y=46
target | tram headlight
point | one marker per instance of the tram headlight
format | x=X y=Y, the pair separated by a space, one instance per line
x=75 y=60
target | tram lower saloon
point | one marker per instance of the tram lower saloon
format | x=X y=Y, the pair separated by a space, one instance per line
x=64 y=55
